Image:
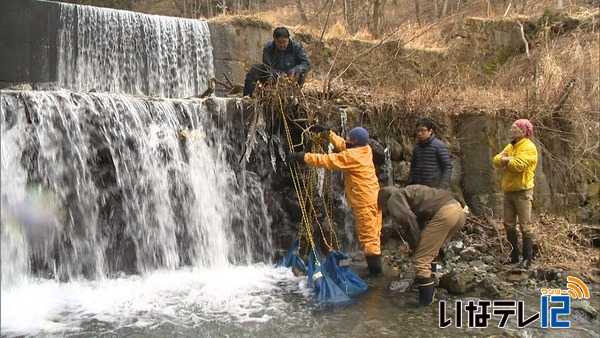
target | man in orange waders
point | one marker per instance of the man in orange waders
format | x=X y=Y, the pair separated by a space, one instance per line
x=355 y=159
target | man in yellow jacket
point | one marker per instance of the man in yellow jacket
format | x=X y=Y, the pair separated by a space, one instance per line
x=519 y=160
x=355 y=159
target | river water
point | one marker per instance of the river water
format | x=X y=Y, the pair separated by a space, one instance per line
x=236 y=301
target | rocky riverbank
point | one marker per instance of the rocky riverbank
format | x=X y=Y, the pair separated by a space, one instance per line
x=473 y=266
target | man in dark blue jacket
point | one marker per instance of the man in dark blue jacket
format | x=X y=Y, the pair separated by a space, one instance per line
x=431 y=164
x=281 y=56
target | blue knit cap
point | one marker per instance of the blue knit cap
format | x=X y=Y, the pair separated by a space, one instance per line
x=359 y=135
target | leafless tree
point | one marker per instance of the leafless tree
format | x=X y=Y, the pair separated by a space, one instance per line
x=301 y=10
x=378 y=17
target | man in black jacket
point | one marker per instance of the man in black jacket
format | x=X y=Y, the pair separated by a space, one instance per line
x=427 y=217
x=282 y=56
x=431 y=164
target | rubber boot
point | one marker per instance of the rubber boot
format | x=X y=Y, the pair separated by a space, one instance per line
x=374 y=264
x=513 y=239
x=426 y=290
x=527 y=252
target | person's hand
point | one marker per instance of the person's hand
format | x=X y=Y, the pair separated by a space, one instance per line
x=318 y=128
x=322 y=130
x=276 y=73
x=505 y=159
x=295 y=157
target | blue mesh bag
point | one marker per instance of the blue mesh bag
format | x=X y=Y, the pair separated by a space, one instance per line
x=293 y=260
x=337 y=266
x=326 y=291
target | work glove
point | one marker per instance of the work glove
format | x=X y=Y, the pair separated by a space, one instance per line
x=319 y=128
x=291 y=71
x=295 y=157
x=276 y=73
x=322 y=130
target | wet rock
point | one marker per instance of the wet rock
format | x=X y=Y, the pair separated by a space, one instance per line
x=548 y=274
x=401 y=170
x=449 y=255
x=456 y=246
x=489 y=259
x=517 y=277
x=490 y=287
x=477 y=264
x=470 y=254
x=454 y=282
x=378 y=152
x=584 y=307
x=399 y=285
x=481 y=247
x=395 y=150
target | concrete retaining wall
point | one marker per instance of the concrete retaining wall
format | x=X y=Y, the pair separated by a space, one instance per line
x=28 y=38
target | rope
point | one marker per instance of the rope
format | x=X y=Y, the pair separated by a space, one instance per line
x=304 y=189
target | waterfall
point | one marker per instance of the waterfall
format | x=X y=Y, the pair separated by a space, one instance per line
x=126 y=52
x=139 y=185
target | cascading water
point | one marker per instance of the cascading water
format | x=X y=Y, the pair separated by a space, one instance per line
x=123 y=212
x=134 y=196
x=126 y=52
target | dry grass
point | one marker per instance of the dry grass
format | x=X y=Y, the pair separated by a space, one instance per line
x=558 y=244
x=565 y=245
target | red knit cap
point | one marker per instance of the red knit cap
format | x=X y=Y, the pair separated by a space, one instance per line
x=525 y=126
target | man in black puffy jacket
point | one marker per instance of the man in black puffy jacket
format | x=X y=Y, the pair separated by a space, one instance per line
x=282 y=56
x=431 y=164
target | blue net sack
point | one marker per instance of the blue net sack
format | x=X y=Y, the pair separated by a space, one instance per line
x=326 y=290
x=293 y=260
x=337 y=266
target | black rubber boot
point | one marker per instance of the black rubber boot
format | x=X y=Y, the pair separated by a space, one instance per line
x=513 y=239
x=527 y=252
x=426 y=291
x=374 y=264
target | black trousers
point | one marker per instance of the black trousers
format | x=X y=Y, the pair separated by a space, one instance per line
x=262 y=73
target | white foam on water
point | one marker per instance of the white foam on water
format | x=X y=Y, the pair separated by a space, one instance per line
x=186 y=297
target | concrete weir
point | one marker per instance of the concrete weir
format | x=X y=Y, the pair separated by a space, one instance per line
x=57 y=45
